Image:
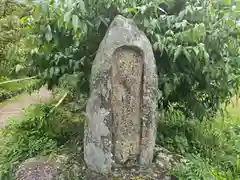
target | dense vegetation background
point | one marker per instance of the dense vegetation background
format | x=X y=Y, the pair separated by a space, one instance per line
x=196 y=46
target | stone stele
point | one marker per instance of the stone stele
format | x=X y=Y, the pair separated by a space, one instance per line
x=121 y=110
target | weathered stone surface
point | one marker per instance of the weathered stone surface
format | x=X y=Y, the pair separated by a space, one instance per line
x=37 y=169
x=97 y=176
x=121 y=109
x=127 y=68
x=60 y=167
x=166 y=160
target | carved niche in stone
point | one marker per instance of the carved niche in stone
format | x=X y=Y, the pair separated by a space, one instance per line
x=121 y=110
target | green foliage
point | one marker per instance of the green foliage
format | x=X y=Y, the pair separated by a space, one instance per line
x=11 y=32
x=195 y=46
x=38 y=133
x=10 y=90
x=9 y=7
x=195 y=167
x=211 y=147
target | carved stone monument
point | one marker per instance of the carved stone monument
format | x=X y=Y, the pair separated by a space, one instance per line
x=121 y=110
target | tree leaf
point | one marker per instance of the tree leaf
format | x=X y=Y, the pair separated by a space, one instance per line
x=69 y=4
x=84 y=27
x=206 y=56
x=102 y=19
x=51 y=72
x=145 y=22
x=196 y=50
x=177 y=52
x=71 y=63
x=48 y=34
x=162 y=10
x=18 y=68
x=228 y=2
x=131 y=9
x=187 y=55
x=160 y=46
x=75 y=22
x=82 y=7
x=67 y=16
x=36 y=13
x=155 y=46
x=82 y=60
x=167 y=89
x=57 y=71
x=23 y=19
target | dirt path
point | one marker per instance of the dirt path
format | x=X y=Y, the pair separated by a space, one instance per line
x=15 y=108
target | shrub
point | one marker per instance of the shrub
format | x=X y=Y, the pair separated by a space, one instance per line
x=11 y=32
x=38 y=133
x=195 y=45
x=212 y=144
x=194 y=167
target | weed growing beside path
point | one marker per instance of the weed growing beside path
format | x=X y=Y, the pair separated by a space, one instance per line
x=37 y=133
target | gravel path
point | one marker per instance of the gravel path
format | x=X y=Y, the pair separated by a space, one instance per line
x=15 y=108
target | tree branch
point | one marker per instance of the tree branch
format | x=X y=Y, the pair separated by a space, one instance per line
x=17 y=80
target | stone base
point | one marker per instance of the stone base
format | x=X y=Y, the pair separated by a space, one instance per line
x=164 y=161
x=43 y=168
x=62 y=167
x=152 y=173
x=38 y=169
x=95 y=176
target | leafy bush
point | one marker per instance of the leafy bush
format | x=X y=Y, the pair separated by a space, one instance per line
x=195 y=45
x=211 y=147
x=11 y=35
x=8 y=7
x=195 y=167
x=38 y=133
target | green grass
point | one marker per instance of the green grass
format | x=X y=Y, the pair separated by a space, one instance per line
x=12 y=89
x=13 y=99
x=36 y=134
x=233 y=109
x=40 y=132
x=211 y=147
